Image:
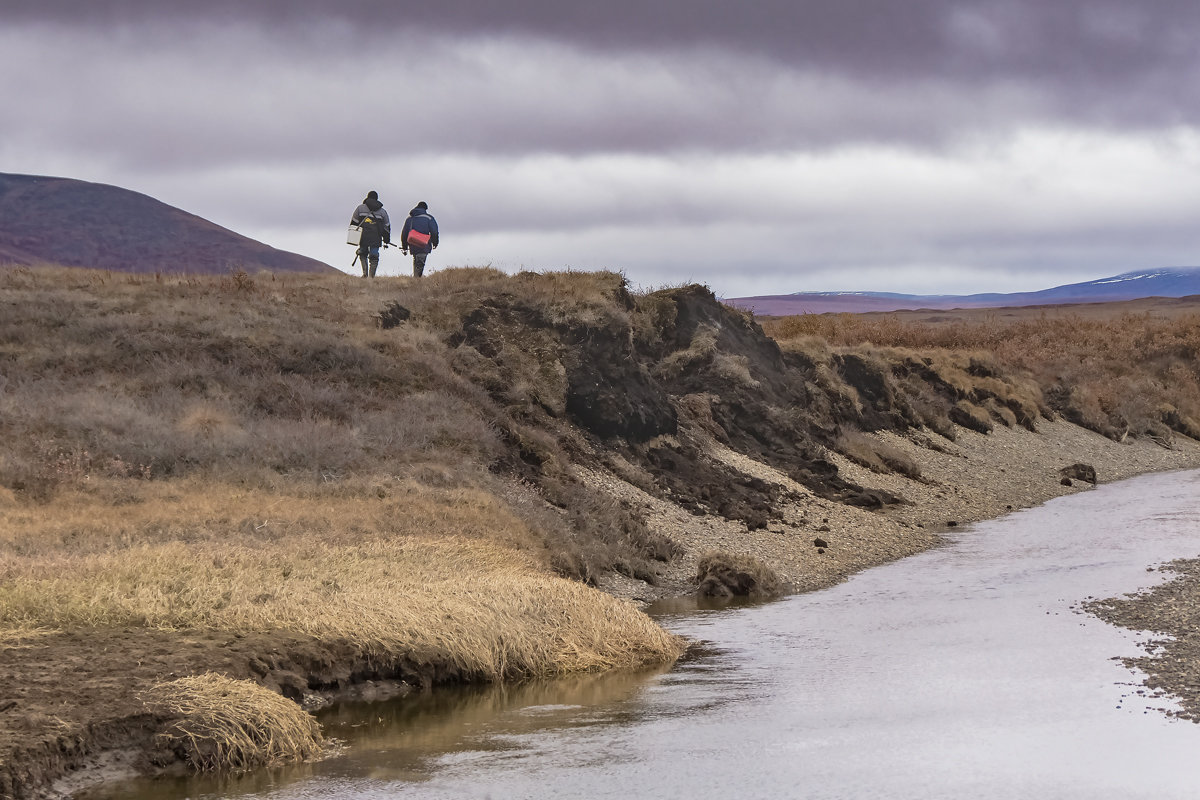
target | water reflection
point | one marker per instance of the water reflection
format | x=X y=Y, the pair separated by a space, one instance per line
x=412 y=734
x=407 y=740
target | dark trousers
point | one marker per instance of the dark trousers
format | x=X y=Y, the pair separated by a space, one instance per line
x=369 y=258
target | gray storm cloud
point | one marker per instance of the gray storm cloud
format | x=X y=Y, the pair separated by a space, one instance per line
x=256 y=94
x=628 y=75
x=864 y=37
x=923 y=146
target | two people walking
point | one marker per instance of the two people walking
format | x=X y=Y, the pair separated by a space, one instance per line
x=420 y=234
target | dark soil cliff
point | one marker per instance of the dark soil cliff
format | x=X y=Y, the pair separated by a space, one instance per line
x=638 y=376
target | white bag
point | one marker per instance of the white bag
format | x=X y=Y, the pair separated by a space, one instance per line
x=354 y=235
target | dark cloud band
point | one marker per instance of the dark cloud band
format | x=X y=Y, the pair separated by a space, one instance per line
x=1064 y=37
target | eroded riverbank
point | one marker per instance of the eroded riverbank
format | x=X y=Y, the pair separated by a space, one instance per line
x=973 y=478
x=965 y=671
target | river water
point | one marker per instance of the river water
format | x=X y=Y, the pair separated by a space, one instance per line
x=963 y=672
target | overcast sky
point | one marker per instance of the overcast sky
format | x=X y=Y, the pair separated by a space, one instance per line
x=924 y=146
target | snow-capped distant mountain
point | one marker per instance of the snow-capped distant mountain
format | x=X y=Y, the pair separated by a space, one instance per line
x=1167 y=282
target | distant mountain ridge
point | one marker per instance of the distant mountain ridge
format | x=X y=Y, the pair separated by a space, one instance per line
x=46 y=220
x=1165 y=282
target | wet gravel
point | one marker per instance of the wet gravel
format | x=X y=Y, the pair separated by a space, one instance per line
x=973 y=478
x=1172 y=611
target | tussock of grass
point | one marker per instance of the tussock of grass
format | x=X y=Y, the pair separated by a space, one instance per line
x=722 y=574
x=218 y=723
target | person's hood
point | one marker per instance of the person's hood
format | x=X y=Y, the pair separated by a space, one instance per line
x=374 y=205
x=418 y=211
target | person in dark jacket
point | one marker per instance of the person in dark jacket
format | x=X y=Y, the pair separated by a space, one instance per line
x=376 y=232
x=420 y=235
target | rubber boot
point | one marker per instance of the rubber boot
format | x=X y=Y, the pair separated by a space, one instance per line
x=362 y=259
x=374 y=264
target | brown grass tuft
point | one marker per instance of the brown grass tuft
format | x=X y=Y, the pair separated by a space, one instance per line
x=218 y=723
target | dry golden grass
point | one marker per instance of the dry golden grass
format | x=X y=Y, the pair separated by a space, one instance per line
x=223 y=724
x=436 y=573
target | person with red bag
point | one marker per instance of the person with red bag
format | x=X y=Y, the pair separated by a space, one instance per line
x=420 y=234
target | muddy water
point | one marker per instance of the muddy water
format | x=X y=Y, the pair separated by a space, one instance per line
x=962 y=672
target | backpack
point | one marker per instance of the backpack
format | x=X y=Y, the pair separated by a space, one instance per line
x=372 y=232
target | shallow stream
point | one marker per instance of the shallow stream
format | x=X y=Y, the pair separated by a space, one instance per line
x=963 y=672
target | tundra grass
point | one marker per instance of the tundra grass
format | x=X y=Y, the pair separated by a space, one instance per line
x=1122 y=375
x=437 y=574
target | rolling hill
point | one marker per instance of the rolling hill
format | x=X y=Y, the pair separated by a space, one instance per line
x=45 y=220
x=1169 y=282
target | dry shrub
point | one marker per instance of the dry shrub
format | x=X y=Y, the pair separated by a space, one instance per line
x=218 y=723
x=238 y=281
x=721 y=574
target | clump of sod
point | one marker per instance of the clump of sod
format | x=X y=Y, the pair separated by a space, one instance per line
x=721 y=574
x=223 y=724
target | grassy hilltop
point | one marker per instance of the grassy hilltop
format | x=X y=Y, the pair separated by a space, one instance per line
x=310 y=481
